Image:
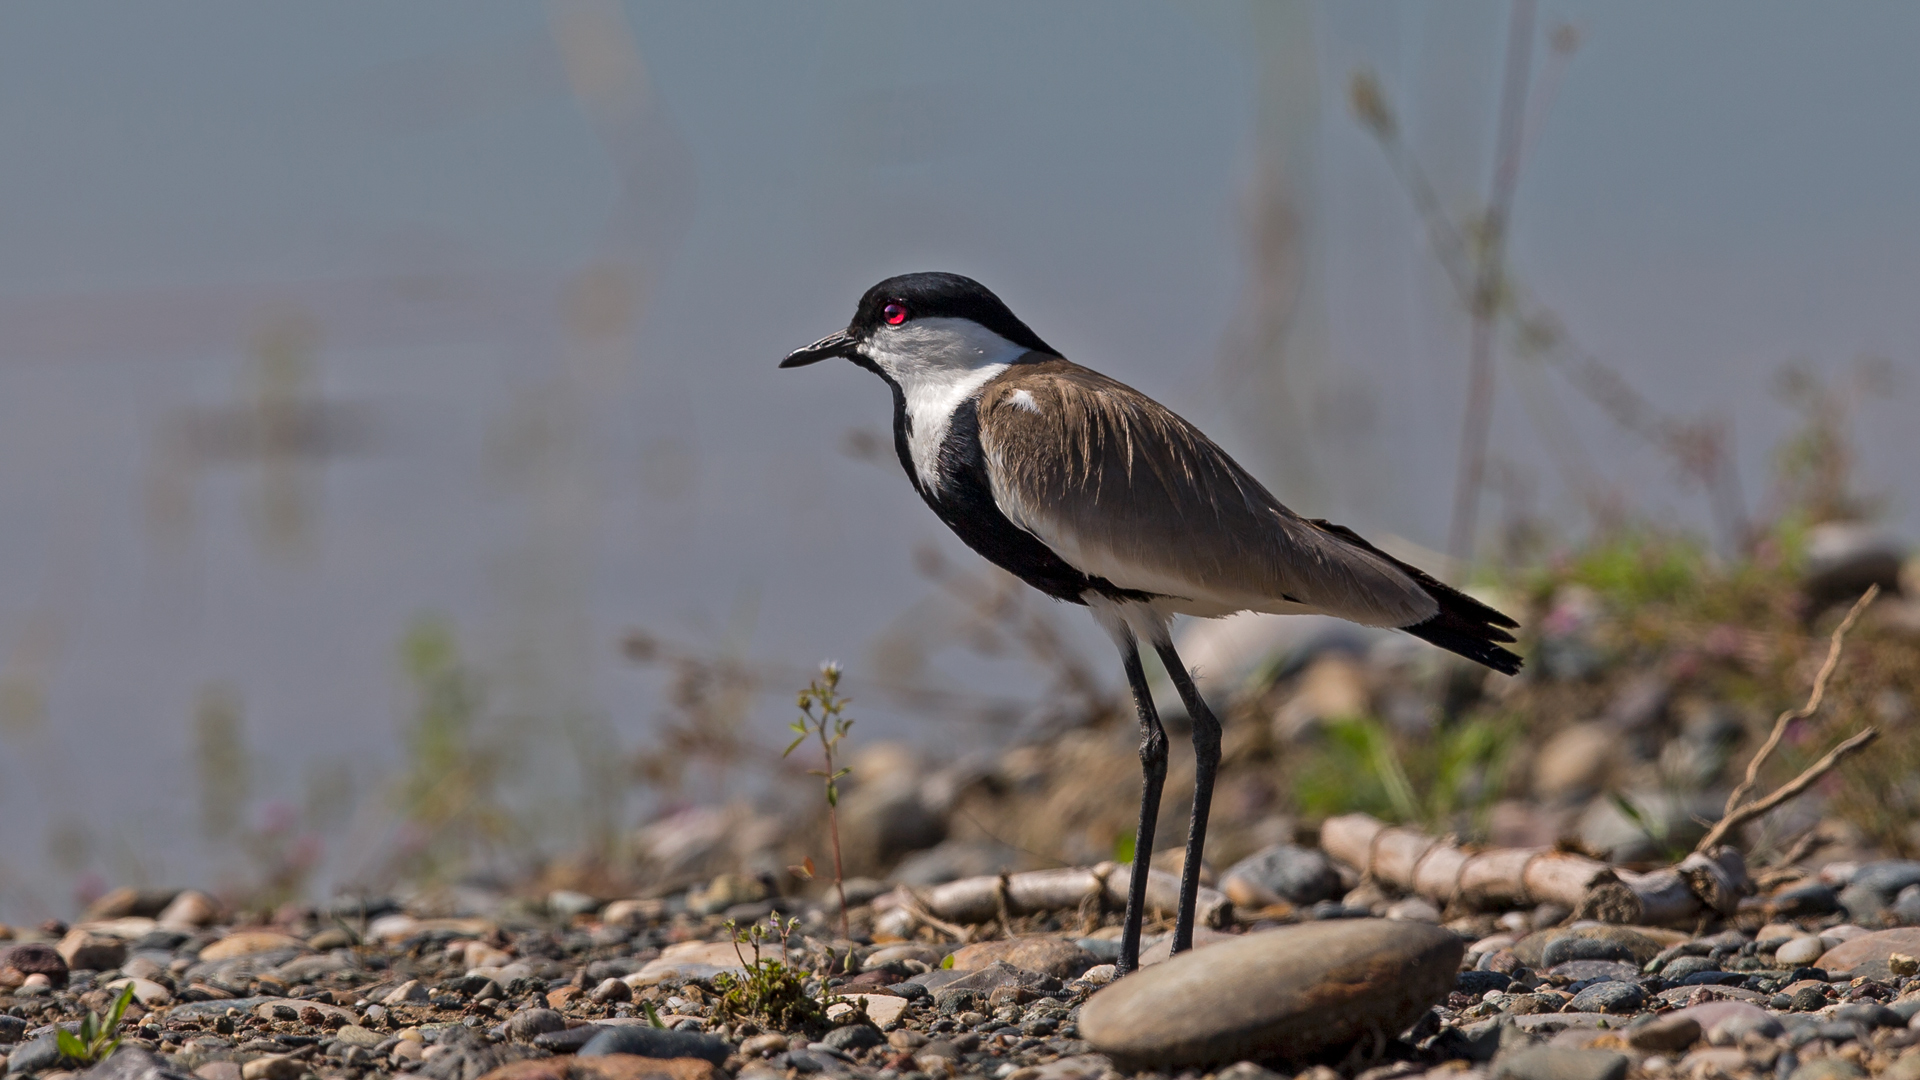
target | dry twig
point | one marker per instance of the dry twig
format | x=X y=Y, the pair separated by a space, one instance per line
x=1739 y=813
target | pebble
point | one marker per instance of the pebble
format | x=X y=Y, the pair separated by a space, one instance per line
x=410 y=991
x=249 y=943
x=1609 y=997
x=1639 y=944
x=1289 y=993
x=190 y=910
x=526 y=1024
x=1802 y=950
x=766 y=1045
x=1560 y=1063
x=852 y=1037
x=1281 y=873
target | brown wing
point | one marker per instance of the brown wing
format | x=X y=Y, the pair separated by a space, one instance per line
x=1122 y=488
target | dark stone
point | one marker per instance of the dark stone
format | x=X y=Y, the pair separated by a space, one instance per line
x=1808 y=999
x=1293 y=994
x=1609 y=997
x=1713 y=978
x=35 y=958
x=656 y=1043
x=1289 y=872
x=1804 y=901
x=853 y=1037
x=12 y=1028
x=1560 y=1063
x=162 y=940
x=1477 y=983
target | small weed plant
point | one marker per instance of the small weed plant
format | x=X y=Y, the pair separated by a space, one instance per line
x=770 y=991
x=823 y=717
x=98 y=1036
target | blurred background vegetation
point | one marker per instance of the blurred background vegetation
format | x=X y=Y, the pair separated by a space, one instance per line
x=398 y=490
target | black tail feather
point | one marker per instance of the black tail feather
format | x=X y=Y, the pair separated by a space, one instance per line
x=1463 y=625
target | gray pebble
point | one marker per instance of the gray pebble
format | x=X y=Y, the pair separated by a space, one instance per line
x=1683 y=966
x=653 y=1042
x=1609 y=997
x=1298 y=875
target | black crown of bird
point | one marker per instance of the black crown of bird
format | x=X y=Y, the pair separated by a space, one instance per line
x=1096 y=494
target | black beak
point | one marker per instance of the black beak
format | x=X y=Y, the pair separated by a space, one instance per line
x=838 y=343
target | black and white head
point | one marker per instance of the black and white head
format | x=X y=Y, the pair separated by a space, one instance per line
x=920 y=325
x=936 y=339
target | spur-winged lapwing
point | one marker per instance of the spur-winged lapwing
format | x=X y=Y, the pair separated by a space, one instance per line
x=1094 y=493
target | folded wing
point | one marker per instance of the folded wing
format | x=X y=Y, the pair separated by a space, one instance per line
x=1122 y=488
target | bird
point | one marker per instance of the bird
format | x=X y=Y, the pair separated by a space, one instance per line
x=1095 y=494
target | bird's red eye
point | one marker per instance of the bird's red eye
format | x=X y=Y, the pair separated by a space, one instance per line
x=895 y=314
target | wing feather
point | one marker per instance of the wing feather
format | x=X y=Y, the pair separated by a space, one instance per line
x=1122 y=488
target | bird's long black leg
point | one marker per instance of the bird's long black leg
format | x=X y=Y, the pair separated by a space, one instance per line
x=1153 y=777
x=1206 y=763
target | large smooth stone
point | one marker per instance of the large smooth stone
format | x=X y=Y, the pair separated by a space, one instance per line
x=1290 y=993
x=1867 y=954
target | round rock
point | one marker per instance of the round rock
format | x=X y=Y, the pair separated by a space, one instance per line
x=1288 y=993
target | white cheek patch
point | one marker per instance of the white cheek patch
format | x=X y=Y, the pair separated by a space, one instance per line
x=1024 y=400
x=939 y=364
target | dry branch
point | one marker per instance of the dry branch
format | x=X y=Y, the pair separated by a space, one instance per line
x=1739 y=813
x=1448 y=873
x=982 y=899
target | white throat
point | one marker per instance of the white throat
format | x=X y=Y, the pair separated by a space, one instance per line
x=939 y=364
